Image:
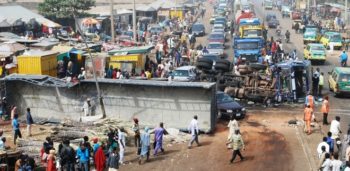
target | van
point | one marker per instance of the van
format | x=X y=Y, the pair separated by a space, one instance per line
x=339 y=81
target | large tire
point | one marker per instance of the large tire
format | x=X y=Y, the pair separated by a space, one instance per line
x=223 y=61
x=257 y=66
x=204 y=66
x=206 y=60
x=223 y=65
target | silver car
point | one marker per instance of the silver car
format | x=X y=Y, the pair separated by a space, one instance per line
x=185 y=73
x=216 y=48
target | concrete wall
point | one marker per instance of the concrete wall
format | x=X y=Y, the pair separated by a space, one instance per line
x=173 y=105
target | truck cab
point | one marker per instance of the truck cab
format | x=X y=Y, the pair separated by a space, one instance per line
x=250 y=48
x=250 y=28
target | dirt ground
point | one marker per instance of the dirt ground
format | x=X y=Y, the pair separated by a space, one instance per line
x=271 y=144
x=266 y=149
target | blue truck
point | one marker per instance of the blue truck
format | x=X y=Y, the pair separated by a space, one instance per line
x=248 y=49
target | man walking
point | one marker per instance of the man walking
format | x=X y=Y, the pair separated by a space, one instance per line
x=315 y=84
x=237 y=144
x=145 y=145
x=136 y=129
x=16 y=130
x=194 y=130
x=232 y=126
x=325 y=110
x=29 y=122
x=336 y=163
x=158 y=138
x=335 y=130
x=320 y=84
x=307 y=118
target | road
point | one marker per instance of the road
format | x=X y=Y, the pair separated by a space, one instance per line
x=338 y=106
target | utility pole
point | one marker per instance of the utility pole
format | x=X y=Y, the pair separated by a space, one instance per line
x=308 y=6
x=112 y=21
x=93 y=66
x=346 y=13
x=134 y=22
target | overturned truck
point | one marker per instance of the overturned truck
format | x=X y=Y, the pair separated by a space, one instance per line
x=285 y=81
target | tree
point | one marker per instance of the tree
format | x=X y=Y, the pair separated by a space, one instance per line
x=65 y=8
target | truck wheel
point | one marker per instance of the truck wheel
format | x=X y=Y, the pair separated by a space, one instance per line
x=204 y=65
x=223 y=65
x=254 y=97
x=257 y=66
x=224 y=61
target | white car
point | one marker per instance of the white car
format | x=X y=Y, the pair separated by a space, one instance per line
x=185 y=73
x=216 y=48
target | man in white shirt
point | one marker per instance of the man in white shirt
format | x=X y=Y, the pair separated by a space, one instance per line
x=335 y=128
x=336 y=163
x=327 y=163
x=194 y=130
x=319 y=147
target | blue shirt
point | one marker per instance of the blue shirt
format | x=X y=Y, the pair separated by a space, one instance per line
x=330 y=142
x=15 y=124
x=96 y=146
x=83 y=155
x=344 y=57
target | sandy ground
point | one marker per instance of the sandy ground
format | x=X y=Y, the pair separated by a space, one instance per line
x=270 y=145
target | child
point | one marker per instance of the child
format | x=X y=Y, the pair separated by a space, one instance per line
x=113 y=160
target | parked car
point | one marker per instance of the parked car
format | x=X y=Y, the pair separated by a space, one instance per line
x=217 y=37
x=185 y=73
x=212 y=19
x=286 y=11
x=218 y=28
x=216 y=48
x=311 y=34
x=198 y=29
x=332 y=37
x=270 y=16
x=220 y=23
x=273 y=23
x=228 y=107
x=223 y=19
x=315 y=52
x=339 y=81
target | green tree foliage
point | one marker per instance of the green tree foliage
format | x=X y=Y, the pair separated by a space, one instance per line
x=64 y=8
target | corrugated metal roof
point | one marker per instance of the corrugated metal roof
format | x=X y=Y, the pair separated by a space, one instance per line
x=37 y=53
x=206 y=85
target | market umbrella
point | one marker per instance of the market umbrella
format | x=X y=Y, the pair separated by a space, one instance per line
x=89 y=21
x=4 y=23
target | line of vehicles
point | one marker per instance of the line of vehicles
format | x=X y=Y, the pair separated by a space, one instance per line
x=318 y=41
